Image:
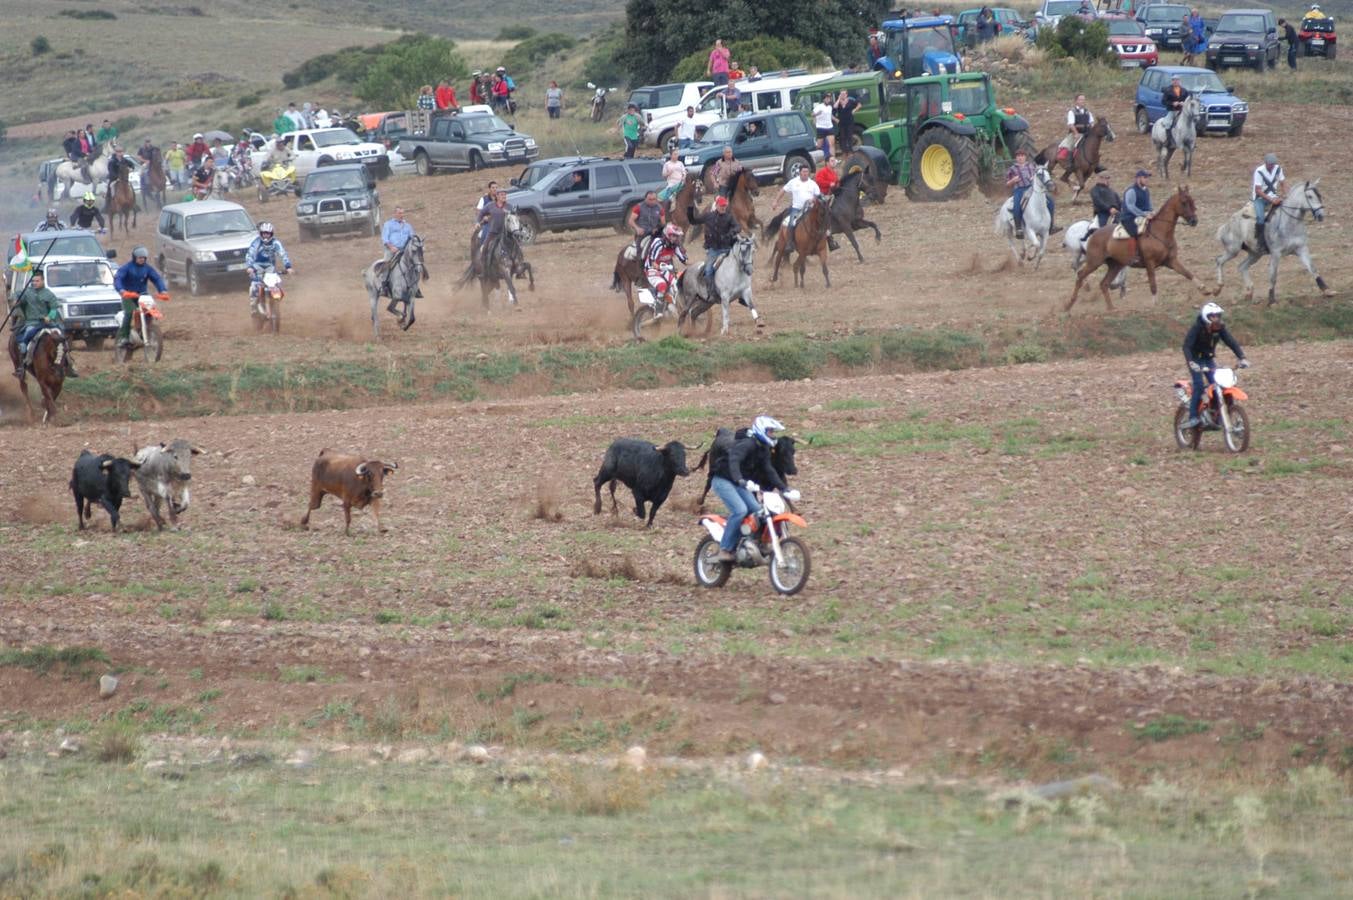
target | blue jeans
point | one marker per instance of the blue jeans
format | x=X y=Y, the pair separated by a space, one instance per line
x=740 y=503
x=683 y=143
x=25 y=335
x=1019 y=205
x=1260 y=209
x=1200 y=382
x=712 y=255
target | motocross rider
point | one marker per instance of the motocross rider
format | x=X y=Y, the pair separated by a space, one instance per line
x=658 y=264
x=52 y=222
x=733 y=477
x=86 y=214
x=130 y=282
x=40 y=309
x=262 y=257
x=1200 y=348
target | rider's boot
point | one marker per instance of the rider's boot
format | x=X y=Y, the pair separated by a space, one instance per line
x=1019 y=229
x=68 y=359
x=1136 y=257
x=1260 y=238
x=1053 y=227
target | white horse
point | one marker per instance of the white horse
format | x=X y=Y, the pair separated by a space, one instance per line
x=1037 y=220
x=1284 y=232
x=1074 y=239
x=400 y=283
x=69 y=173
x=732 y=281
x=1182 y=135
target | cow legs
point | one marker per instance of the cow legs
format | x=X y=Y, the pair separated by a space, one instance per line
x=347 y=518
x=152 y=502
x=112 y=511
x=316 y=495
x=79 y=508
x=596 y=490
x=376 y=511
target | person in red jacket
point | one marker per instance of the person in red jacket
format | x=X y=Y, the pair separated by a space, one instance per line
x=826 y=177
x=446 y=96
x=197 y=150
x=476 y=95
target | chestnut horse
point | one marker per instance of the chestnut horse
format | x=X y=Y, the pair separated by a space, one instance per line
x=1084 y=159
x=687 y=197
x=740 y=202
x=122 y=201
x=1156 y=249
x=49 y=373
x=810 y=238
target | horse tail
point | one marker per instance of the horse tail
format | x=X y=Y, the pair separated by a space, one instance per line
x=615 y=281
x=772 y=228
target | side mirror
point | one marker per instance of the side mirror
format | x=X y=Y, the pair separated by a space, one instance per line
x=111 y=254
x=513 y=182
x=1230 y=88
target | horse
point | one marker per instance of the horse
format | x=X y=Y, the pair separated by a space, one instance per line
x=629 y=271
x=1084 y=159
x=1182 y=135
x=1037 y=220
x=686 y=198
x=48 y=368
x=740 y=200
x=1284 y=232
x=1074 y=240
x=810 y=238
x=406 y=269
x=153 y=180
x=1156 y=248
x=121 y=201
x=91 y=173
x=500 y=263
x=846 y=216
x=732 y=281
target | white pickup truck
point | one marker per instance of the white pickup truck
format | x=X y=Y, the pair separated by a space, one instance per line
x=315 y=147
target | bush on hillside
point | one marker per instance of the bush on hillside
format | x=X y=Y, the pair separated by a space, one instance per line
x=87 y=14
x=1077 y=38
x=3 y=129
x=530 y=53
x=605 y=65
x=516 y=33
x=40 y=45
x=766 y=53
x=393 y=80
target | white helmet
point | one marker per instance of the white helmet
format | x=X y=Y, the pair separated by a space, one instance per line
x=1208 y=311
x=762 y=428
x=265 y=228
x=672 y=232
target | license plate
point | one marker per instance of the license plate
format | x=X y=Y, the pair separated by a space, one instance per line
x=1233 y=59
x=1317 y=42
x=516 y=153
x=331 y=220
x=103 y=323
x=235 y=267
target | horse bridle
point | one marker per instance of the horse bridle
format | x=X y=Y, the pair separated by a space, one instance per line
x=745 y=259
x=1301 y=210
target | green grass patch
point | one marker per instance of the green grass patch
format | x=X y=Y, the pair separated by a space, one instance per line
x=1168 y=727
x=44 y=659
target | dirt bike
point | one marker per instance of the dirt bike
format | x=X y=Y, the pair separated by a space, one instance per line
x=276 y=181
x=145 y=334
x=765 y=541
x=652 y=307
x=598 y=101
x=267 y=312
x=1225 y=414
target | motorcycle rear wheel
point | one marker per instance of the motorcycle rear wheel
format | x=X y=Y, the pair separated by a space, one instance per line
x=1238 y=437
x=708 y=571
x=644 y=315
x=790 y=577
x=1185 y=438
x=154 y=348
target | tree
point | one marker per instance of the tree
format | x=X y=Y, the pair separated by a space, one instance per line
x=404 y=66
x=40 y=45
x=660 y=33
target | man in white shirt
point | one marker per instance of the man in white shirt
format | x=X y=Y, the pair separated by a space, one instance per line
x=1078 y=122
x=802 y=191
x=822 y=121
x=686 y=129
x=296 y=118
x=1269 y=187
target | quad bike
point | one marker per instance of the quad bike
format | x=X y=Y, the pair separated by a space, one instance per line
x=765 y=541
x=1219 y=413
x=278 y=181
x=145 y=334
x=265 y=298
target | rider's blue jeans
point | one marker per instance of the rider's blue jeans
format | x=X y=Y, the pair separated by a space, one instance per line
x=1260 y=209
x=25 y=335
x=740 y=503
x=712 y=255
x=1019 y=205
x=1200 y=382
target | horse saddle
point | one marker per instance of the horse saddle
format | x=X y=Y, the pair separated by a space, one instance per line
x=56 y=335
x=1120 y=233
x=631 y=253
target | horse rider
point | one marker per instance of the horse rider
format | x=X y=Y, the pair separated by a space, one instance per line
x=1200 y=351
x=803 y=192
x=725 y=172
x=737 y=476
x=1269 y=188
x=1136 y=205
x=87 y=213
x=71 y=147
x=494 y=230
x=262 y=257
x=828 y=180
x=130 y=281
x=1020 y=177
x=198 y=150
x=40 y=309
x=490 y=194
x=146 y=152
x=659 y=265
x=1173 y=98
x=674 y=174
x=646 y=220
x=721 y=233
x=1079 y=119
x=395 y=234
x=52 y=222
x=1106 y=201
x=204 y=178
x=116 y=163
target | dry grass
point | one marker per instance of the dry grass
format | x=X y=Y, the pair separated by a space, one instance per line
x=1011 y=48
x=117 y=742
x=595 y=791
x=625 y=567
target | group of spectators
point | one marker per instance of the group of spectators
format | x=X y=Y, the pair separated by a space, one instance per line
x=298 y=119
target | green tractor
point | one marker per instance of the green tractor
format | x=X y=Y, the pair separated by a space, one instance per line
x=952 y=136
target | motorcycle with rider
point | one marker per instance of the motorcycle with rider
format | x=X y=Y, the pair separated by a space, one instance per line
x=265 y=262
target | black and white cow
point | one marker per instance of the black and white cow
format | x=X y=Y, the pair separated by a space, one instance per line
x=163 y=475
x=101 y=479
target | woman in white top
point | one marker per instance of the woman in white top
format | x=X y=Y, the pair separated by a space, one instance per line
x=674 y=173
x=822 y=121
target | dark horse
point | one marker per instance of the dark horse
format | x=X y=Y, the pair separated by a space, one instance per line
x=501 y=261
x=152 y=179
x=846 y=214
x=1084 y=159
x=50 y=373
x=1156 y=248
x=122 y=201
x=810 y=238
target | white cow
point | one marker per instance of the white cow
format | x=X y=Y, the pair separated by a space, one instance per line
x=163 y=476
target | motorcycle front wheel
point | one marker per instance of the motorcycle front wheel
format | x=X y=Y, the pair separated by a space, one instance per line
x=1185 y=438
x=1237 y=437
x=709 y=572
x=789 y=577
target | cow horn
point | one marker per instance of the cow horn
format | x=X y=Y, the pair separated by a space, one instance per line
x=105 y=464
x=361 y=470
x=390 y=465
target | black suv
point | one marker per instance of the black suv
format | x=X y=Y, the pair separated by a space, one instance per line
x=581 y=192
x=338 y=198
x=1244 y=37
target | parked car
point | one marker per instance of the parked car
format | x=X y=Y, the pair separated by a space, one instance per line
x=1008 y=21
x=1317 y=36
x=467 y=142
x=581 y=192
x=774 y=145
x=1051 y=12
x=1244 y=37
x=878 y=101
x=78 y=272
x=663 y=106
x=758 y=95
x=1131 y=44
x=1164 y=24
x=1225 y=113
x=337 y=199
x=315 y=147
x=203 y=243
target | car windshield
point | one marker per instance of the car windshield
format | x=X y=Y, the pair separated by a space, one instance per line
x=968 y=97
x=484 y=124
x=722 y=132
x=1245 y=24
x=76 y=245
x=226 y=221
x=1171 y=14
x=79 y=274
x=1126 y=27
x=324 y=182
x=1061 y=7
x=1197 y=82
x=919 y=40
x=333 y=137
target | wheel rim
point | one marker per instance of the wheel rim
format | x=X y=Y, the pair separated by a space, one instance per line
x=707 y=569
x=937 y=167
x=789 y=575
x=194 y=281
x=1237 y=437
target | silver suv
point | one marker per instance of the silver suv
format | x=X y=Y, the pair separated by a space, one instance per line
x=203 y=242
x=582 y=192
x=78 y=272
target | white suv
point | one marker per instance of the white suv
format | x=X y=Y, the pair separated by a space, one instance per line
x=315 y=147
x=662 y=105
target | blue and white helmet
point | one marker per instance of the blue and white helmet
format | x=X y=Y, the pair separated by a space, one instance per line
x=762 y=428
x=265 y=230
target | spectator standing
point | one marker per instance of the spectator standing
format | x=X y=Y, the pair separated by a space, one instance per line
x=283 y=124
x=822 y=121
x=220 y=152
x=845 y=122
x=875 y=48
x=986 y=25
x=554 y=100
x=425 y=99
x=294 y=114
x=106 y=133
x=735 y=72
x=686 y=129
x=717 y=67
x=177 y=161
x=732 y=101
x=446 y=96
x=630 y=126
x=1289 y=35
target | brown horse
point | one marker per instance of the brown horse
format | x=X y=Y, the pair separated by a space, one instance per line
x=628 y=272
x=49 y=373
x=153 y=180
x=810 y=238
x=1084 y=159
x=122 y=201
x=687 y=197
x=1156 y=249
x=740 y=201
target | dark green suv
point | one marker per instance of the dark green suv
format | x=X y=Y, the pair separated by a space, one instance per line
x=773 y=145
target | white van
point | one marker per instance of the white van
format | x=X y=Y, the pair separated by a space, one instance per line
x=202 y=242
x=768 y=93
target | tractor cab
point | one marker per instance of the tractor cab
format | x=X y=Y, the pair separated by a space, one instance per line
x=919 y=46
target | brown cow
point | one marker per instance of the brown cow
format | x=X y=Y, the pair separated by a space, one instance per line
x=355 y=481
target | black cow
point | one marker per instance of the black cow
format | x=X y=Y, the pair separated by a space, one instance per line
x=102 y=479
x=781 y=455
x=645 y=469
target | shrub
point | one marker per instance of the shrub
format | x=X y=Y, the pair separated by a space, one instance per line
x=87 y=14
x=247 y=100
x=40 y=45
x=766 y=53
x=533 y=51
x=1077 y=38
x=393 y=79
x=117 y=742
x=516 y=33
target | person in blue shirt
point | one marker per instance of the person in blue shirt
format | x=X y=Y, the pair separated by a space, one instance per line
x=395 y=233
x=130 y=281
x=264 y=256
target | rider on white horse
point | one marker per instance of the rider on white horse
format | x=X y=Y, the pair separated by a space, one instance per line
x=1079 y=119
x=1020 y=177
x=1106 y=201
x=1173 y=98
x=1269 y=188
